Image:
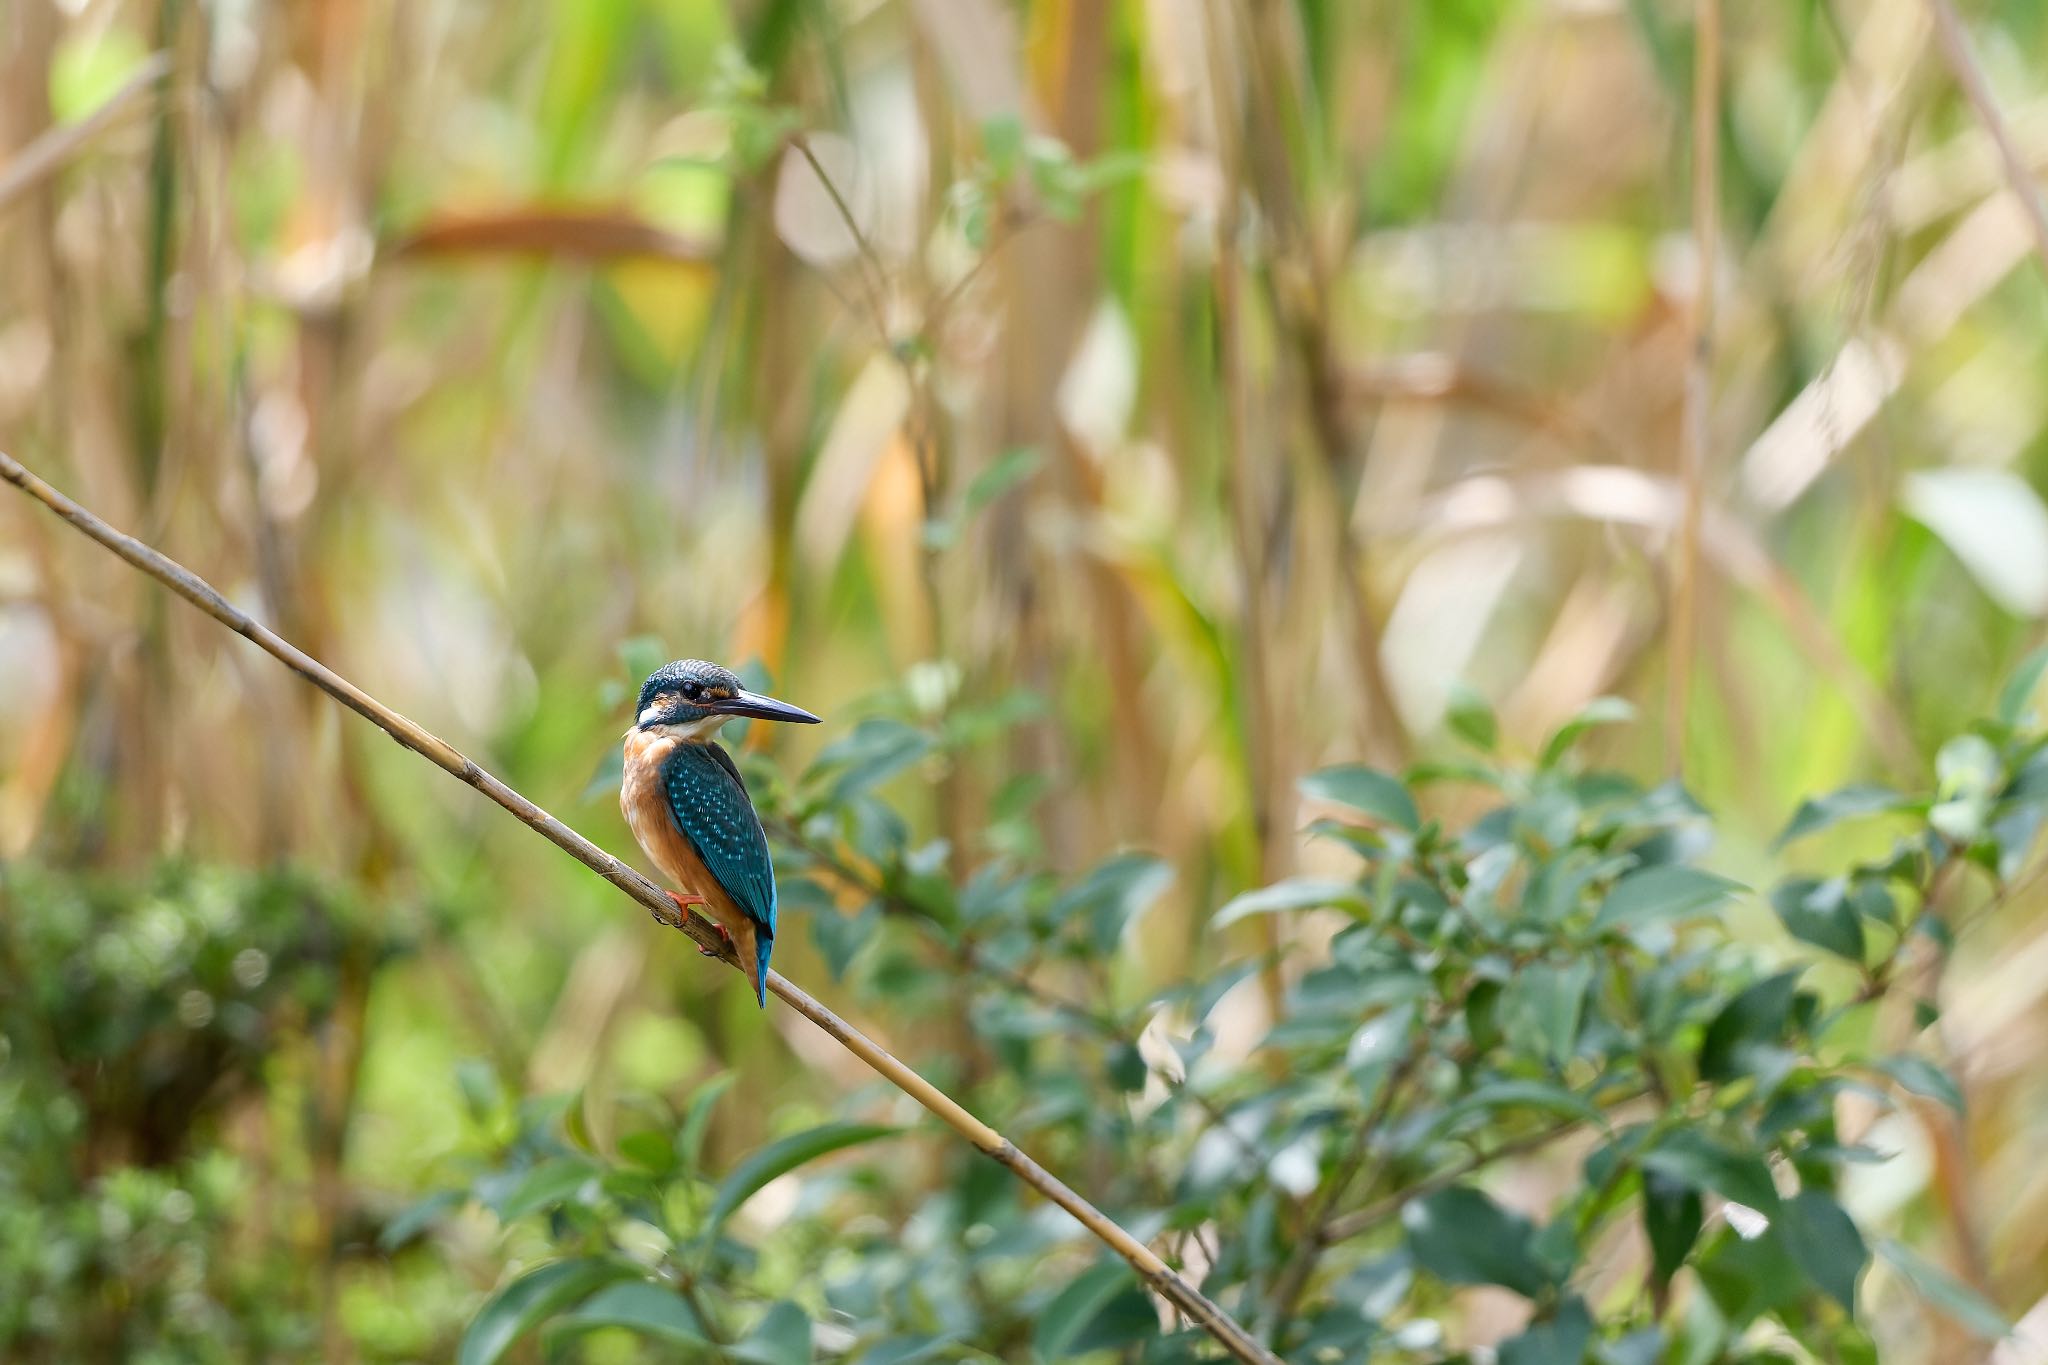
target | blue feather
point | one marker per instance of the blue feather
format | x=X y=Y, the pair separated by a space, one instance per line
x=712 y=809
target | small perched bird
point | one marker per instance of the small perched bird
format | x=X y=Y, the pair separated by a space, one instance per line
x=690 y=811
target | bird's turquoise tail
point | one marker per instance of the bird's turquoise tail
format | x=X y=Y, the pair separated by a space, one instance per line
x=766 y=949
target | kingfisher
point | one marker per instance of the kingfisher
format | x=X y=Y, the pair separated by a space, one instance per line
x=689 y=809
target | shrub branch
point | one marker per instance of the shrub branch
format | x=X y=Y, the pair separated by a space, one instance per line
x=1160 y=1277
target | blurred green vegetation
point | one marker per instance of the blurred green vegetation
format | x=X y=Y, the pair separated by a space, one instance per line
x=1123 y=421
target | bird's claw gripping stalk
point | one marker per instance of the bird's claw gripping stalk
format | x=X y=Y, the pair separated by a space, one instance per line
x=689 y=905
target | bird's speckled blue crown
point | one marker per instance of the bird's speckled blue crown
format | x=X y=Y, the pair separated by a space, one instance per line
x=688 y=679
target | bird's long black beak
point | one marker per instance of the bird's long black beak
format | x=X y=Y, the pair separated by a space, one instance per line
x=762 y=708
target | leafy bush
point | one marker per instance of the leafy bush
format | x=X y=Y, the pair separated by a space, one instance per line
x=136 y=1017
x=1518 y=1052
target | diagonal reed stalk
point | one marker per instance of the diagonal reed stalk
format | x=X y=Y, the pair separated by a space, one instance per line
x=1160 y=1277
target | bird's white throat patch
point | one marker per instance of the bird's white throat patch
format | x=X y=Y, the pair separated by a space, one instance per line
x=700 y=729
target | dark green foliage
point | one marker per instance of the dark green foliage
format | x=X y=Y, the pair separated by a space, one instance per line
x=133 y=1017
x=1552 y=970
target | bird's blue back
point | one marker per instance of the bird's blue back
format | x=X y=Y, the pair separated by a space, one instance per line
x=712 y=808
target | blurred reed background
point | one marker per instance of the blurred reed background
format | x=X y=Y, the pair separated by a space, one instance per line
x=1236 y=378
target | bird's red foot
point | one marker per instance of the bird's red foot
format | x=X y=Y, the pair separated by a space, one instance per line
x=723 y=933
x=688 y=904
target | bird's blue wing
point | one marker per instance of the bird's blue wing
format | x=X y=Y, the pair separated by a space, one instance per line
x=711 y=807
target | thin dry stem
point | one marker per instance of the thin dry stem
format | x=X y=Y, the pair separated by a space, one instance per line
x=1699 y=376
x=57 y=146
x=1160 y=1277
x=1955 y=50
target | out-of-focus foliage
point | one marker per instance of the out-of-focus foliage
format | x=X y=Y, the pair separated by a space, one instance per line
x=139 y=1020
x=1550 y=979
x=1124 y=421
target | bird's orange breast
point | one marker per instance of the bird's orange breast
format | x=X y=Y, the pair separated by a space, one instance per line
x=643 y=798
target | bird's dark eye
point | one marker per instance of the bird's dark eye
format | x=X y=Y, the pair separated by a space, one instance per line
x=693 y=690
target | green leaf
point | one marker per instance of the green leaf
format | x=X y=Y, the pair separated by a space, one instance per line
x=1543 y=1003
x=1471 y=719
x=1462 y=1237
x=1125 y=1320
x=783 y=1337
x=550 y=1183
x=781 y=1157
x=1968 y=774
x=1825 y=1242
x=1526 y=1095
x=531 y=1299
x=877 y=750
x=416 y=1218
x=1960 y=1302
x=905 y=1349
x=1820 y=913
x=1296 y=893
x=2019 y=689
x=1560 y=1341
x=1851 y=802
x=1672 y=1217
x=1368 y=791
x=697 y=1121
x=1922 y=1077
x=1113 y=894
x=1696 y=1161
x=839 y=937
x=1743 y=1038
x=652 y=1310
x=1665 y=892
x=1011 y=469
x=1073 y=1308
x=1599 y=711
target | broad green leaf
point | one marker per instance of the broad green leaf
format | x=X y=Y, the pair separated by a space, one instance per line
x=1922 y=1077
x=1462 y=1237
x=783 y=1337
x=1542 y=1005
x=1993 y=521
x=1526 y=1095
x=1470 y=718
x=1560 y=1341
x=1672 y=1217
x=697 y=1121
x=1960 y=1302
x=1368 y=791
x=1743 y=1039
x=1825 y=1242
x=781 y=1157
x=877 y=750
x=1115 y=892
x=2019 y=689
x=531 y=1299
x=1296 y=893
x=840 y=937
x=417 y=1218
x=652 y=1310
x=905 y=1350
x=550 y=1183
x=1666 y=892
x=1818 y=813
x=1599 y=711
x=651 y=1150
x=1696 y=1161
x=1968 y=774
x=1125 y=1320
x=1073 y=1308
x=1820 y=913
